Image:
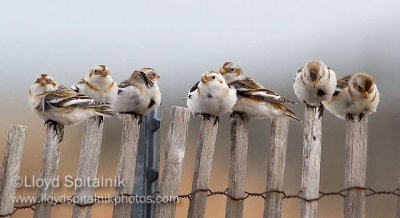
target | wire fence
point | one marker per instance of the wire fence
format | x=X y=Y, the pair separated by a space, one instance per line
x=210 y=193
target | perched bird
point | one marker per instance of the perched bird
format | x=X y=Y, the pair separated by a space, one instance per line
x=355 y=95
x=253 y=99
x=314 y=83
x=98 y=84
x=56 y=103
x=211 y=96
x=139 y=94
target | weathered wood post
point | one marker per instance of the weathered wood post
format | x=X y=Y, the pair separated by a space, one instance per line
x=276 y=167
x=175 y=152
x=202 y=171
x=50 y=158
x=311 y=162
x=238 y=165
x=10 y=169
x=126 y=165
x=88 y=163
x=355 y=166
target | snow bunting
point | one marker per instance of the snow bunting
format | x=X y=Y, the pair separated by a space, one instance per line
x=139 y=94
x=314 y=83
x=355 y=94
x=211 y=96
x=253 y=99
x=98 y=84
x=55 y=103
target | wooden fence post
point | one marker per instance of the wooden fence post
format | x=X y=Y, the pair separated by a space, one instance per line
x=175 y=152
x=311 y=162
x=355 y=167
x=238 y=165
x=126 y=165
x=11 y=166
x=202 y=171
x=276 y=167
x=88 y=163
x=50 y=158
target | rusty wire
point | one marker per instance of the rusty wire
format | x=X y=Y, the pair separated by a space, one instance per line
x=341 y=193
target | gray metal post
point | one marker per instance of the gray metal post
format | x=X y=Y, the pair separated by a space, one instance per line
x=147 y=163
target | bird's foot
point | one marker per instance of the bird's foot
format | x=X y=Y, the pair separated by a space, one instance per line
x=241 y=114
x=59 y=128
x=350 y=117
x=140 y=119
x=320 y=111
x=100 y=120
x=361 y=116
x=216 y=120
x=308 y=105
x=206 y=116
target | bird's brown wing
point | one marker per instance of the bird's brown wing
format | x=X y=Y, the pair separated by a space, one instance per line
x=342 y=83
x=252 y=89
x=125 y=84
x=65 y=97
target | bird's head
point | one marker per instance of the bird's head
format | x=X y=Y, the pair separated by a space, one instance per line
x=99 y=71
x=43 y=83
x=212 y=77
x=144 y=76
x=230 y=71
x=362 y=85
x=152 y=74
x=314 y=70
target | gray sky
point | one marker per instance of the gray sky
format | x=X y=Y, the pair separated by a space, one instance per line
x=181 y=39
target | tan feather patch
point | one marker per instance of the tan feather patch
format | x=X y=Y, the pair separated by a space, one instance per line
x=373 y=99
x=90 y=86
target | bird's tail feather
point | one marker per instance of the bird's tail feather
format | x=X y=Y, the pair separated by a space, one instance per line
x=292 y=116
x=105 y=110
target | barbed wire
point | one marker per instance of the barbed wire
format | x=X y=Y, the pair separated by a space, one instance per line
x=341 y=193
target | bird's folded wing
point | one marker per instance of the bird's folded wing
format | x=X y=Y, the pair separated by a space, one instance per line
x=194 y=87
x=298 y=72
x=64 y=97
x=123 y=87
x=76 y=87
x=342 y=83
x=263 y=95
x=252 y=89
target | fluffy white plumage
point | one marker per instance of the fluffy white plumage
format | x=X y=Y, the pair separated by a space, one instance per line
x=139 y=94
x=98 y=84
x=253 y=99
x=355 y=94
x=314 y=83
x=211 y=95
x=53 y=102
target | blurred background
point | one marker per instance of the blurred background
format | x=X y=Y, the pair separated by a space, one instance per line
x=181 y=39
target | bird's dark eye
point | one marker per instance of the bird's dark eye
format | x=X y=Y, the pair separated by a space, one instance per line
x=213 y=77
x=232 y=69
x=95 y=71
